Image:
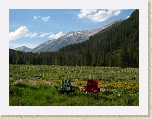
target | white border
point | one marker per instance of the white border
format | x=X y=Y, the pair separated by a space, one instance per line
x=142 y=109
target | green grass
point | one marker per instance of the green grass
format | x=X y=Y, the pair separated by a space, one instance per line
x=49 y=96
x=33 y=85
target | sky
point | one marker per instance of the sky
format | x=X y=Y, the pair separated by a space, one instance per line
x=31 y=27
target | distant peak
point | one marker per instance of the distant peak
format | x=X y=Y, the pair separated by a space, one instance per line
x=23 y=48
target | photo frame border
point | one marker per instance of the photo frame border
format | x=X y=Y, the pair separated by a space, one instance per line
x=70 y=7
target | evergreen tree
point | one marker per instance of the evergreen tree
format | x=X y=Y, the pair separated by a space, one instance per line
x=18 y=57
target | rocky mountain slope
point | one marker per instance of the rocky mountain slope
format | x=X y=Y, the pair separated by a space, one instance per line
x=70 y=38
x=23 y=48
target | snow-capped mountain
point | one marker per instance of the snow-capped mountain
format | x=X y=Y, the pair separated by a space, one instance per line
x=70 y=38
x=23 y=48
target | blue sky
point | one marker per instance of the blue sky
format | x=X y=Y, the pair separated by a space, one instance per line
x=31 y=27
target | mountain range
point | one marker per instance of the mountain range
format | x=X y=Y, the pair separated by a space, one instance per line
x=70 y=38
x=117 y=45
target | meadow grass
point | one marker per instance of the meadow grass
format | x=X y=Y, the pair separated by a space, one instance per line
x=34 y=85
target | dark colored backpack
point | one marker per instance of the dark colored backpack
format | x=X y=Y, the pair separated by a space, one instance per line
x=66 y=86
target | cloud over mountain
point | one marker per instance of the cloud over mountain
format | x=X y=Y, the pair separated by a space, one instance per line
x=20 y=32
x=98 y=15
x=44 y=34
x=31 y=35
x=55 y=36
x=24 y=32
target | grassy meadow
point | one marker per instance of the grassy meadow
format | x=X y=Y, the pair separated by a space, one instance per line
x=35 y=85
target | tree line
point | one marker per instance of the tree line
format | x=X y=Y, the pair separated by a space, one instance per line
x=117 y=46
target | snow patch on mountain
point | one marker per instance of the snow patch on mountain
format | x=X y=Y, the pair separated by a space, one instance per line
x=70 y=38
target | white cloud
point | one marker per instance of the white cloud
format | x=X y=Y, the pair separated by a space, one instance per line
x=31 y=35
x=116 y=13
x=98 y=15
x=85 y=12
x=127 y=17
x=44 y=34
x=55 y=36
x=46 y=18
x=43 y=18
x=36 y=17
x=20 y=32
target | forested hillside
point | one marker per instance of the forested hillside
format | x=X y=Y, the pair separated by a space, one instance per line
x=117 y=46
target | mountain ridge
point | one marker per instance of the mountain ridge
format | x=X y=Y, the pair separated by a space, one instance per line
x=23 y=48
x=117 y=46
x=71 y=37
